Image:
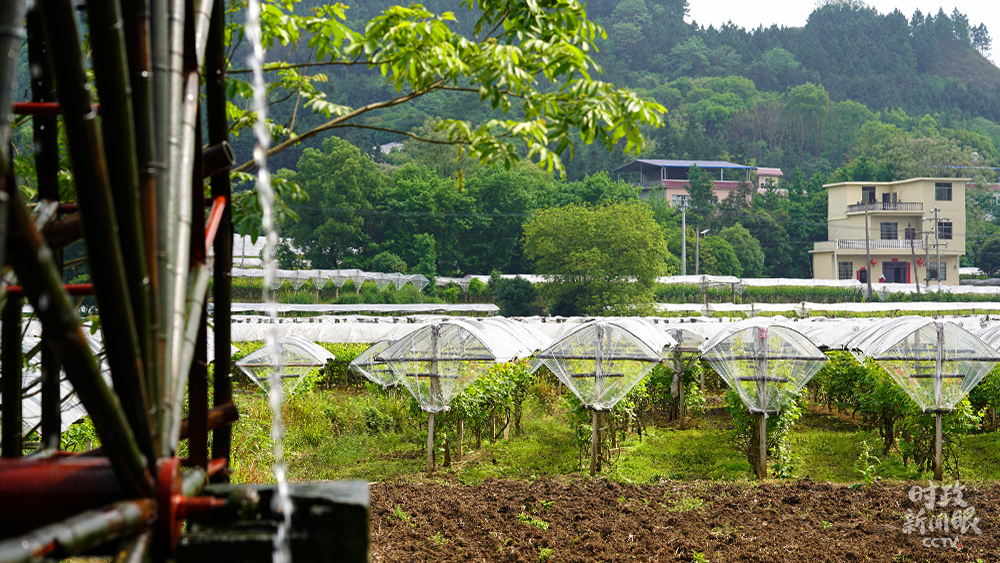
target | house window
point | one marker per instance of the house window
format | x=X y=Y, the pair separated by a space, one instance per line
x=942 y=191
x=911 y=233
x=933 y=269
x=868 y=194
x=845 y=270
x=889 y=231
x=944 y=230
x=680 y=200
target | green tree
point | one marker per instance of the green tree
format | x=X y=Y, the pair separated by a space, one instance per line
x=702 y=191
x=511 y=56
x=599 y=260
x=747 y=250
x=420 y=202
x=988 y=257
x=515 y=296
x=388 y=263
x=339 y=181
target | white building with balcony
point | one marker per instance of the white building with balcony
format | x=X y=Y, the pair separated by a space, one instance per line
x=915 y=231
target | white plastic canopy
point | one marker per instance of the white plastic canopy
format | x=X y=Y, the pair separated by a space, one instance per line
x=438 y=360
x=601 y=361
x=373 y=367
x=295 y=357
x=764 y=361
x=937 y=363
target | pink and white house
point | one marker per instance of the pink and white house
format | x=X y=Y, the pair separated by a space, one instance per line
x=670 y=176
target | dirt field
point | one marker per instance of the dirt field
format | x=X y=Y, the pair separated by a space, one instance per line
x=573 y=519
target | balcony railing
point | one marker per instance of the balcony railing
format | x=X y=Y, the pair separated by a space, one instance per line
x=879 y=244
x=886 y=206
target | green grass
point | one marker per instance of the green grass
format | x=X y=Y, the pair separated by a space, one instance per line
x=331 y=435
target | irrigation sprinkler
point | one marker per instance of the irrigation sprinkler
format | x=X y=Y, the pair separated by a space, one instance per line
x=766 y=364
x=600 y=362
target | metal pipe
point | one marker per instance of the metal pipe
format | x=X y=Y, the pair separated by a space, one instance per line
x=47 y=490
x=80 y=533
x=75 y=289
x=34 y=266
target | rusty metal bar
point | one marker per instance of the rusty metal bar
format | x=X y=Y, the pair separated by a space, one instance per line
x=80 y=533
x=219 y=417
x=75 y=289
x=42 y=108
x=47 y=490
x=10 y=359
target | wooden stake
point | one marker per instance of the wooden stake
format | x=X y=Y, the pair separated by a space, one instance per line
x=762 y=464
x=938 y=448
x=461 y=439
x=594 y=443
x=430 y=443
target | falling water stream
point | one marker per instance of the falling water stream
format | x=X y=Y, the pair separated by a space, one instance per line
x=282 y=503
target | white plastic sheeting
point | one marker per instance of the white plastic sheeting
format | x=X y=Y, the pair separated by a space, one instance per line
x=438 y=360
x=373 y=367
x=387 y=308
x=806 y=308
x=601 y=361
x=937 y=363
x=295 y=357
x=766 y=362
x=319 y=278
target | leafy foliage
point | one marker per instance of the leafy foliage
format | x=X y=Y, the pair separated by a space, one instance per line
x=600 y=260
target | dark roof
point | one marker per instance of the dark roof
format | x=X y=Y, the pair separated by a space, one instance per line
x=636 y=165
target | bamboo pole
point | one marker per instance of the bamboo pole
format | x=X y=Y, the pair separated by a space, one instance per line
x=100 y=226
x=80 y=533
x=10 y=359
x=218 y=131
x=46 y=153
x=33 y=264
x=11 y=21
x=11 y=31
x=111 y=73
x=136 y=14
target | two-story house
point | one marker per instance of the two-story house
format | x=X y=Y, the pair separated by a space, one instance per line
x=670 y=177
x=916 y=231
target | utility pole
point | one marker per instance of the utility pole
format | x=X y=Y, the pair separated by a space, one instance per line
x=937 y=247
x=697 y=250
x=868 y=254
x=684 y=239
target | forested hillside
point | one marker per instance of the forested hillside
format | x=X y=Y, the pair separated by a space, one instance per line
x=854 y=94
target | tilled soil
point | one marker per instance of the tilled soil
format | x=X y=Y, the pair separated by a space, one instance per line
x=574 y=519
